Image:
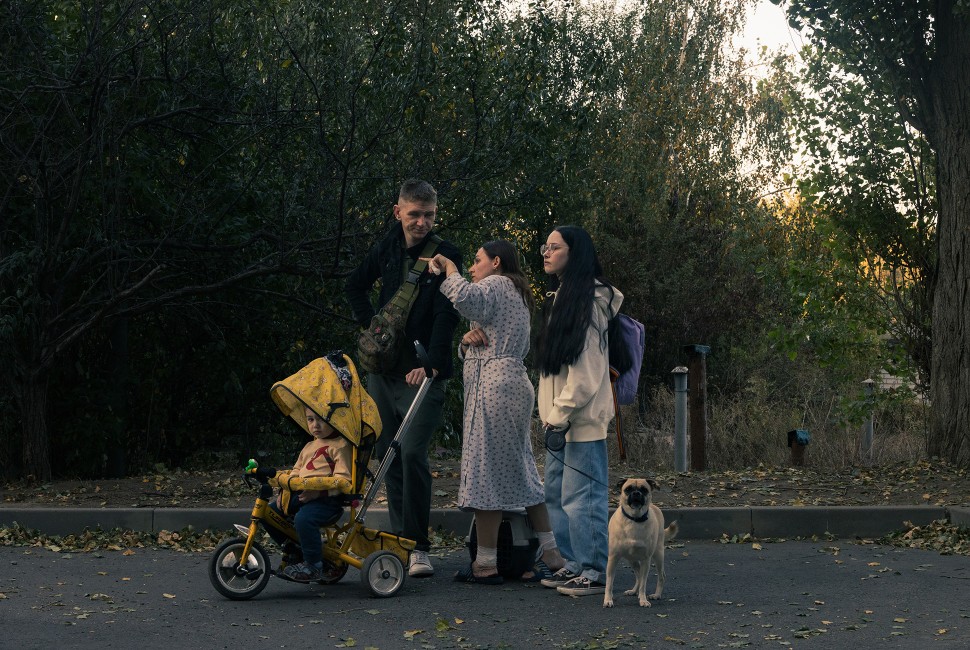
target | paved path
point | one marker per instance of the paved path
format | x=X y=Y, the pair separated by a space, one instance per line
x=801 y=594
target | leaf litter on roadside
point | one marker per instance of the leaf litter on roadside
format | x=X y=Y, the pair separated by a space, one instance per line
x=929 y=482
x=115 y=539
x=921 y=483
x=926 y=482
x=940 y=536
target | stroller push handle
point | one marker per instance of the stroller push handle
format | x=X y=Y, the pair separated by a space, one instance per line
x=401 y=432
x=423 y=358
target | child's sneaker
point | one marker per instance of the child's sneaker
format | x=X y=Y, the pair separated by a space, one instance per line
x=559 y=578
x=302 y=572
x=582 y=586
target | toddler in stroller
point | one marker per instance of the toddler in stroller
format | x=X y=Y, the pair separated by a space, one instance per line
x=311 y=494
x=327 y=400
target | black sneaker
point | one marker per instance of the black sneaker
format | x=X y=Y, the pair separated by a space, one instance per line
x=559 y=578
x=581 y=586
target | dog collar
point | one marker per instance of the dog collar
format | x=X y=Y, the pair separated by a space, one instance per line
x=642 y=518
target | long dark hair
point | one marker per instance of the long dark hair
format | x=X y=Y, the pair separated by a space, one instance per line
x=562 y=333
x=511 y=268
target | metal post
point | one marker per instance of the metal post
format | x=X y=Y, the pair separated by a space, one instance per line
x=697 y=368
x=869 y=385
x=680 y=419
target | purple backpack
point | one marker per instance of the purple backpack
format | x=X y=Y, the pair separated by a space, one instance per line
x=625 y=372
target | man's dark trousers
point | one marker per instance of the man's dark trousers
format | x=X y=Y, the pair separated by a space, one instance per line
x=408 y=479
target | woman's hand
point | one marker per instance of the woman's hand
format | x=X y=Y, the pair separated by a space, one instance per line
x=475 y=338
x=309 y=495
x=440 y=264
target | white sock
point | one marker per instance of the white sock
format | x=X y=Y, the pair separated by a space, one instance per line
x=486 y=557
x=547 y=540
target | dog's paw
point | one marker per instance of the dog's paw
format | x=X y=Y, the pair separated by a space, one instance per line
x=607 y=602
x=644 y=602
x=630 y=592
x=654 y=596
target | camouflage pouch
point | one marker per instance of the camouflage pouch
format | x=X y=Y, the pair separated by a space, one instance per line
x=379 y=346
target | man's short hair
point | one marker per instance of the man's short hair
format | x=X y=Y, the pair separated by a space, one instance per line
x=416 y=190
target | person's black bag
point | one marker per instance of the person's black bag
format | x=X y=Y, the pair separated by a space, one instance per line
x=517 y=544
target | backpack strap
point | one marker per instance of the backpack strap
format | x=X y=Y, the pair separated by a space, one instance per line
x=405 y=296
x=614 y=375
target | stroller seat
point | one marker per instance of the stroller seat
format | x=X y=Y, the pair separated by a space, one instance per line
x=331 y=388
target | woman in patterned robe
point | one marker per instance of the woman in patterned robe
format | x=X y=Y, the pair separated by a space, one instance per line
x=498 y=468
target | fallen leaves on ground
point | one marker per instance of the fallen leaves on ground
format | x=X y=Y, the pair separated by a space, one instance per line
x=940 y=536
x=171 y=488
x=125 y=541
x=115 y=539
x=922 y=483
x=926 y=482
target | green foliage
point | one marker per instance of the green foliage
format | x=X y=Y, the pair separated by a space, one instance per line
x=749 y=428
x=219 y=168
x=186 y=185
x=909 y=58
x=871 y=190
x=683 y=143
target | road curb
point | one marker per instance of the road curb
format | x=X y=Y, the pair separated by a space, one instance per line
x=960 y=516
x=694 y=523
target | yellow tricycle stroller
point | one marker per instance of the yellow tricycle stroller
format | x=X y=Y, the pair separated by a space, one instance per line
x=240 y=568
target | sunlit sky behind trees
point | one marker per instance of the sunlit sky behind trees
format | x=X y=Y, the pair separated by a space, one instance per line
x=766 y=25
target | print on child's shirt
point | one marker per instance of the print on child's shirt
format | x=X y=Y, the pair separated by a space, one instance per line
x=325 y=453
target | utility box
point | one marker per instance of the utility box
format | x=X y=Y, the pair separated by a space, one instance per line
x=798 y=439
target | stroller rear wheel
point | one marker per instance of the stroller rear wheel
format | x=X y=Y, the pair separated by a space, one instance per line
x=237 y=579
x=383 y=573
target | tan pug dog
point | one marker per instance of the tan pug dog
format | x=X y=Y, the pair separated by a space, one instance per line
x=637 y=534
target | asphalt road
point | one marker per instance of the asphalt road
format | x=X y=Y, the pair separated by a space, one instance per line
x=801 y=594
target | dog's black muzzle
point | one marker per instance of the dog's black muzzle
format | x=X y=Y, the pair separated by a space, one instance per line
x=636 y=499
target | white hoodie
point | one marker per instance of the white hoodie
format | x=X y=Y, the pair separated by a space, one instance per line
x=580 y=394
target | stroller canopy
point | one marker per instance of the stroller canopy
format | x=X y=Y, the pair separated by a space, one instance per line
x=352 y=412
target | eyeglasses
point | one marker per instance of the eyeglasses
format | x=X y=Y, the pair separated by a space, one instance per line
x=550 y=248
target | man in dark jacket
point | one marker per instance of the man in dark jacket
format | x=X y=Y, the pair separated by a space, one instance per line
x=432 y=321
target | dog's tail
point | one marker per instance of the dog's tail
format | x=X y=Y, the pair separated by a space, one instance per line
x=671 y=531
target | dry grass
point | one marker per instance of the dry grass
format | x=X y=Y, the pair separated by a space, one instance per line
x=745 y=432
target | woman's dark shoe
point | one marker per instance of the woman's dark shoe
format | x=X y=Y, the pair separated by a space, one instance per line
x=468 y=575
x=540 y=571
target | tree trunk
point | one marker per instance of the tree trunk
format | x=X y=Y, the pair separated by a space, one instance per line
x=32 y=404
x=949 y=435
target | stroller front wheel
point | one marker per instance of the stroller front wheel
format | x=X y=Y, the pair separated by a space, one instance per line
x=383 y=573
x=237 y=579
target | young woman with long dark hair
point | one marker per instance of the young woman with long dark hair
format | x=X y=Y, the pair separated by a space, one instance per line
x=575 y=403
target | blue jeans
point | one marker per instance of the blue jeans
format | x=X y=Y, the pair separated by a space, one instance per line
x=577 y=498
x=309 y=519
